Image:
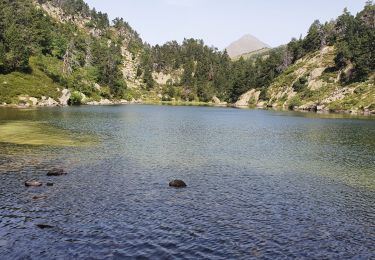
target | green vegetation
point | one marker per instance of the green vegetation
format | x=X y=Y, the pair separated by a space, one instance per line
x=32 y=44
x=39 y=54
x=37 y=133
x=35 y=84
x=356 y=43
x=300 y=84
x=75 y=98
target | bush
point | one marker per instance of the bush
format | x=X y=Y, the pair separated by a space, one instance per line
x=263 y=94
x=294 y=102
x=300 y=84
x=252 y=102
x=75 y=99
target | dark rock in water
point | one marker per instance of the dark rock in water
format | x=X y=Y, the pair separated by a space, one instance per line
x=39 y=197
x=43 y=226
x=56 y=172
x=33 y=183
x=49 y=184
x=177 y=184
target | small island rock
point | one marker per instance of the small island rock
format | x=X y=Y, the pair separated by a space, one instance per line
x=177 y=184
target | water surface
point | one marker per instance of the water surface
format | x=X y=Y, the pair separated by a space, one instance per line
x=261 y=184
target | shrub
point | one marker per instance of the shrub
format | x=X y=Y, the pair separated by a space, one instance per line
x=263 y=94
x=75 y=99
x=252 y=102
x=300 y=84
x=294 y=102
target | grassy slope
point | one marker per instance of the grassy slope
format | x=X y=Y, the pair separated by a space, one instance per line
x=34 y=84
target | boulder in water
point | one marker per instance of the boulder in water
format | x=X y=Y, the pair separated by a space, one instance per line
x=56 y=172
x=33 y=183
x=177 y=184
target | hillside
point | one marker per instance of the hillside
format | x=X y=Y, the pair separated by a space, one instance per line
x=55 y=48
x=246 y=44
x=59 y=52
x=311 y=84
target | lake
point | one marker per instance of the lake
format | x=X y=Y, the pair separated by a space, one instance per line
x=261 y=184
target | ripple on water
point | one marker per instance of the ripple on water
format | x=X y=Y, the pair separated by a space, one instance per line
x=259 y=185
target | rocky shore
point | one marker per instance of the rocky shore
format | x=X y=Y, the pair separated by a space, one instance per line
x=248 y=100
x=251 y=99
x=64 y=100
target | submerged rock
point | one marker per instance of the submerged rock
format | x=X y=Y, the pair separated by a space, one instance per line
x=56 y=172
x=50 y=184
x=39 y=197
x=43 y=226
x=177 y=184
x=33 y=183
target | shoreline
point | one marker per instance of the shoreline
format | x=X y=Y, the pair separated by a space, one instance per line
x=369 y=113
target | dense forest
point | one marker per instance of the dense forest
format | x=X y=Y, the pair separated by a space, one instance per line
x=79 y=57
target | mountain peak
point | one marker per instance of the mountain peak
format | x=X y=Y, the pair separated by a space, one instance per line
x=247 y=43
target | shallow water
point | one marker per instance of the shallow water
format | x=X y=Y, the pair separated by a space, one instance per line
x=260 y=184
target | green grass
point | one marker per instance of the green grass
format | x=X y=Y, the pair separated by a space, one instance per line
x=34 y=84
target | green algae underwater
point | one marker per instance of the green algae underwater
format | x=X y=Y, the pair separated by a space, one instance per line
x=40 y=133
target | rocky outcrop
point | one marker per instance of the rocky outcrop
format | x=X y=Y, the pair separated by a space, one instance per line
x=59 y=15
x=167 y=78
x=101 y=102
x=65 y=96
x=33 y=101
x=130 y=67
x=217 y=102
x=47 y=102
x=337 y=95
x=249 y=98
x=25 y=101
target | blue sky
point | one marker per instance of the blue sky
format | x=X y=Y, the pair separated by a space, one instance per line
x=220 y=22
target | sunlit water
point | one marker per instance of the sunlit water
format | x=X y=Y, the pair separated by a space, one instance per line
x=261 y=184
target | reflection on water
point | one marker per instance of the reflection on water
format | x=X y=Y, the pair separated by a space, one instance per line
x=260 y=184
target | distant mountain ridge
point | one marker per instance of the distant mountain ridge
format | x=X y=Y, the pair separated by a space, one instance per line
x=246 y=44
